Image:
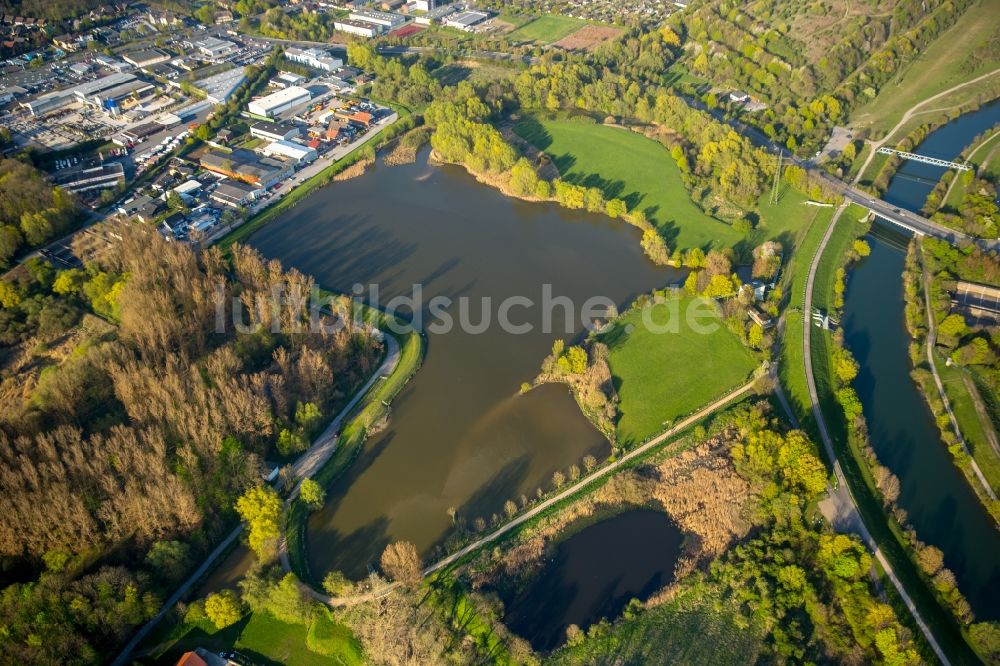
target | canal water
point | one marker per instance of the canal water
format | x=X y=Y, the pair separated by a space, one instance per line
x=594 y=574
x=460 y=435
x=941 y=506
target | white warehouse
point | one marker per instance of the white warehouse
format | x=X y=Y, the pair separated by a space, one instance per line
x=279 y=102
x=291 y=150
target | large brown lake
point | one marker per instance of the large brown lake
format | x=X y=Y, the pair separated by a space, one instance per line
x=460 y=435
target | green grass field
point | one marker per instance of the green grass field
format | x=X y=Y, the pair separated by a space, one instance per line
x=661 y=376
x=268 y=641
x=939 y=68
x=547 y=29
x=641 y=172
x=633 y=168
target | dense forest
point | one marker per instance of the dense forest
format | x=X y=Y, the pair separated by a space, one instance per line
x=32 y=210
x=133 y=417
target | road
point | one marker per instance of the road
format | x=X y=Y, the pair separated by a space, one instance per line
x=305 y=466
x=843 y=497
x=548 y=503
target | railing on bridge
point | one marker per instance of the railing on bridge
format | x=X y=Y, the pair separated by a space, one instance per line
x=926 y=160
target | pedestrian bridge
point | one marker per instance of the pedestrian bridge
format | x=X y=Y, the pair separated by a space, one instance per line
x=926 y=160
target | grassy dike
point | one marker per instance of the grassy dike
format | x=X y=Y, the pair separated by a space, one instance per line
x=352 y=437
x=884 y=529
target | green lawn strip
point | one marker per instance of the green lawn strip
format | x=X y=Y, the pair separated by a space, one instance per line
x=868 y=176
x=886 y=532
x=628 y=166
x=939 y=67
x=969 y=422
x=547 y=29
x=661 y=376
x=352 y=437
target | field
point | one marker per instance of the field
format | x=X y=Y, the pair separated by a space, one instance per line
x=969 y=422
x=633 y=168
x=661 y=376
x=641 y=172
x=940 y=67
x=547 y=29
x=588 y=38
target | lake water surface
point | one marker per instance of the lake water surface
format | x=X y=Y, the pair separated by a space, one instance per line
x=460 y=436
x=594 y=574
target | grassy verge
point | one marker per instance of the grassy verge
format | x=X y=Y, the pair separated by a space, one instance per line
x=661 y=376
x=373 y=408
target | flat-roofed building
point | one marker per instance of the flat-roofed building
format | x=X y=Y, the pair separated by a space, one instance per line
x=213 y=47
x=359 y=28
x=93 y=177
x=315 y=58
x=146 y=57
x=279 y=102
x=244 y=165
x=220 y=87
x=289 y=149
x=234 y=193
x=274 y=131
x=388 y=20
x=436 y=15
x=466 y=20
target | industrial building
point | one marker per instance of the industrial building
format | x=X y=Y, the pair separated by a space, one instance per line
x=113 y=87
x=244 y=165
x=93 y=177
x=289 y=149
x=435 y=16
x=358 y=28
x=315 y=58
x=466 y=20
x=146 y=57
x=385 y=19
x=426 y=5
x=279 y=102
x=234 y=193
x=213 y=47
x=274 y=131
x=220 y=87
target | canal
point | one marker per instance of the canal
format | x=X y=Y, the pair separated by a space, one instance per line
x=460 y=437
x=941 y=506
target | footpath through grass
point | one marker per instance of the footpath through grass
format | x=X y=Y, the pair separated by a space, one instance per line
x=662 y=374
x=972 y=427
